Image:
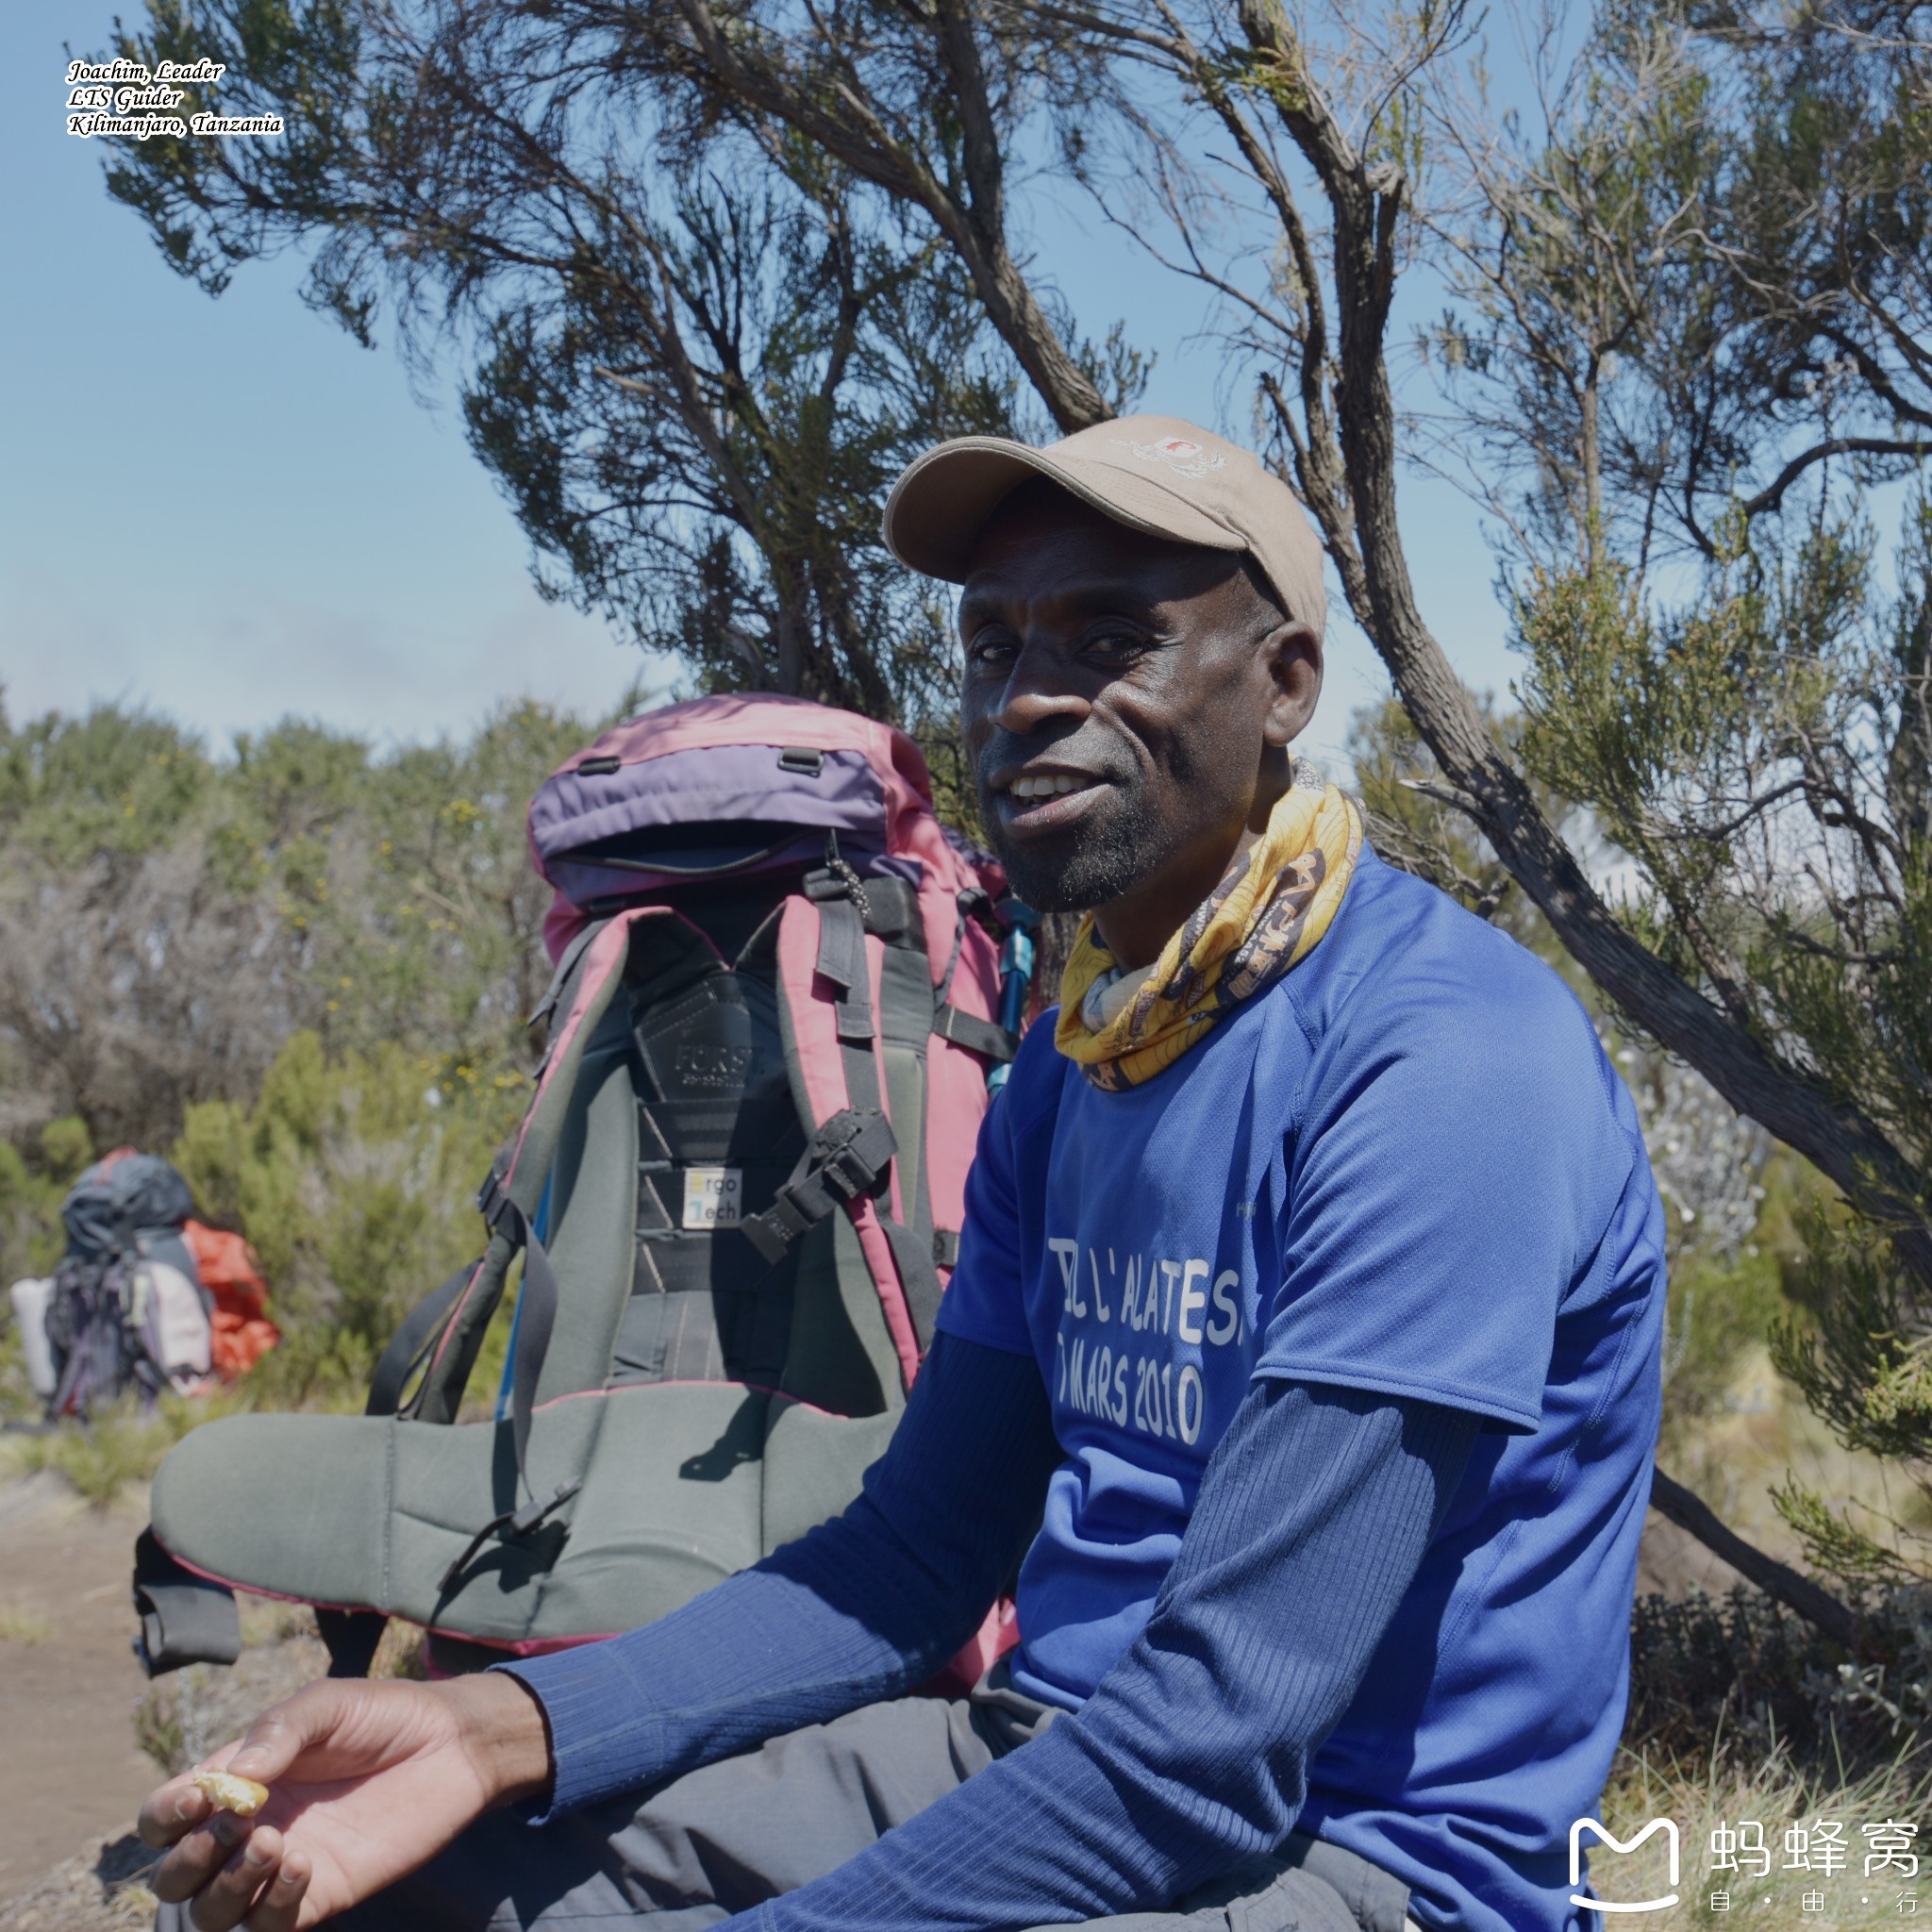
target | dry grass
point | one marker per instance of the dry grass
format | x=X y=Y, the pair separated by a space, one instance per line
x=267 y=1620
x=1787 y=1808
x=23 y=1623
x=120 y=1448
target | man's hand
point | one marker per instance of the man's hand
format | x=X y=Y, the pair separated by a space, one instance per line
x=366 y=1781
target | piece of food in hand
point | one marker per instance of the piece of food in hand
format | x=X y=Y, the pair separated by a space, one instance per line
x=241 y=1795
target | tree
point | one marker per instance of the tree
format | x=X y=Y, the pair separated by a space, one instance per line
x=1349 y=119
x=135 y=980
x=169 y=920
x=926 y=104
x=696 y=352
x=1683 y=438
x=1696 y=293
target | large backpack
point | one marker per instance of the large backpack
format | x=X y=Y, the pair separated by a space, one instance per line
x=126 y=1312
x=737 y=1196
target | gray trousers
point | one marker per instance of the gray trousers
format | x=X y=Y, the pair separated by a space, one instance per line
x=701 y=1847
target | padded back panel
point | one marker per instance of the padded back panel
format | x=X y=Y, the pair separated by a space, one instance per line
x=812 y=1467
x=683 y=1485
x=671 y=1505
x=289 y=1504
x=715 y=1111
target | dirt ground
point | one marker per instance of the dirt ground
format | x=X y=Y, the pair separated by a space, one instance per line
x=71 y=1774
x=68 y=1769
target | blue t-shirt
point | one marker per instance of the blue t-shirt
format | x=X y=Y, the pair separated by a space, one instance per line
x=1406 y=1167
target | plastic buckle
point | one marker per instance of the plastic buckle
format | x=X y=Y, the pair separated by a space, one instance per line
x=856 y=1161
x=847 y=1155
x=493 y=1203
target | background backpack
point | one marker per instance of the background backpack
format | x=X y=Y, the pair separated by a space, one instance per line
x=126 y=1309
x=737 y=1196
x=230 y=1270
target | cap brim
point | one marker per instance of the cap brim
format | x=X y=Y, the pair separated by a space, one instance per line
x=945 y=498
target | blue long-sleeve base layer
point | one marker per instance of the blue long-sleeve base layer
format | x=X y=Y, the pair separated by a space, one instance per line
x=1191 y=1757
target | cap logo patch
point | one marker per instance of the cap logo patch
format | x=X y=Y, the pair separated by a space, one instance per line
x=1180 y=454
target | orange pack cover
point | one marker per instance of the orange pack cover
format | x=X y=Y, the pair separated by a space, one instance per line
x=231 y=1273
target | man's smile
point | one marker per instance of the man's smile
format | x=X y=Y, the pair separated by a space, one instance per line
x=1041 y=798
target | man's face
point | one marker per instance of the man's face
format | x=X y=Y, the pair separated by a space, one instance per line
x=1125 y=706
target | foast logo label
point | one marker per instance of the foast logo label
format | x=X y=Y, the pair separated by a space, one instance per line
x=1180 y=454
x=1667 y=1826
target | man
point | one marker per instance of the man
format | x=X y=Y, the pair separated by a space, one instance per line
x=1305 y=1335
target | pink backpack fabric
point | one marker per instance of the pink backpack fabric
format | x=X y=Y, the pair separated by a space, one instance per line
x=739 y=785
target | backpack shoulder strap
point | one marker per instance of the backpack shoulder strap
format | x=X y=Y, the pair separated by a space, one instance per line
x=825 y=982
x=588 y=981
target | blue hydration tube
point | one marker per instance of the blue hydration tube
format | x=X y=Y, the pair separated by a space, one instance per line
x=1016 y=977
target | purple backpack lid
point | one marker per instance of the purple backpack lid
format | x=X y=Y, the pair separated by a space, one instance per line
x=731 y=784
x=608 y=829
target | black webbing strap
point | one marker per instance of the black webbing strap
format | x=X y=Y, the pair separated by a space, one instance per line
x=845 y=1158
x=185 y=1619
x=411 y=1342
x=975 y=1033
x=512 y=1523
x=351 y=1638
x=535 y=1318
x=945 y=1247
x=842 y=959
x=845 y=915
x=536 y=1312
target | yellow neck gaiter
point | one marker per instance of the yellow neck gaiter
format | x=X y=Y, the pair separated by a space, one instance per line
x=1274 y=904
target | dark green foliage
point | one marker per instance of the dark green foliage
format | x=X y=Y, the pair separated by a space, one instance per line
x=168 y=921
x=1757 y=751
x=355 y=1175
x=1740 y=1666
x=745 y=542
x=113 y=784
x=1741 y=1677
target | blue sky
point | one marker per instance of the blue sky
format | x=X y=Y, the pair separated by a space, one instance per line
x=226 y=510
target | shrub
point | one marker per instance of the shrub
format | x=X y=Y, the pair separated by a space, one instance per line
x=1741 y=1679
x=355 y=1176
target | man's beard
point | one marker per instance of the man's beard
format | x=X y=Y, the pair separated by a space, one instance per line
x=1097 y=864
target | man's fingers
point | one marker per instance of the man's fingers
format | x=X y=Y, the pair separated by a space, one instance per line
x=273 y=1743
x=171 y=1811
x=197 y=1858
x=281 y=1904
x=225 y=1900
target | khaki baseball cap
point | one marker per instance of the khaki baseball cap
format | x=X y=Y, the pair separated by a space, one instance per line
x=1157 y=473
